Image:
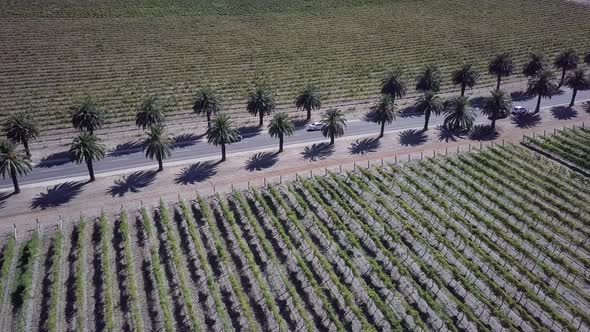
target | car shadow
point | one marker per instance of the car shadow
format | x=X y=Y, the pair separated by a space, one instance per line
x=262 y=160
x=528 y=120
x=519 y=96
x=300 y=123
x=449 y=135
x=412 y=137
x=483 y=133
x=563 y=113
x=126 y=149
x=318 y=151
x=198 y=172
x=364 y=146
x=57 y=195
x=186 y=140
x=56 y=159
x=132 y=183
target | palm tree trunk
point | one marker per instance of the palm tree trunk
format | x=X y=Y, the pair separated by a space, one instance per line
x=382 y=129
x=332 y=139
x=538 y=105
x=15 y=182
x=208 y=119
x=463 y=89
x=160 y=164
x=261 y=114
x=280 y=143
x=493 y=122
x=426 y=119
x=222 y=151
x=499 y=80
x=26 y=146
x=573 y=97
x=90 y=170
x=308 y=114
x=562 y=78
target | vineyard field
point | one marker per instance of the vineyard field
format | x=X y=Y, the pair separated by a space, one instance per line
x=484 y=240
x=56 y=52
x=571 y=146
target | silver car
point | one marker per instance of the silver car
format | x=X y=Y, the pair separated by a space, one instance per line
x=314 y=126
x=519 y=110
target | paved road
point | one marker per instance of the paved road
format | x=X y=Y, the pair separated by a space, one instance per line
x=127 y=157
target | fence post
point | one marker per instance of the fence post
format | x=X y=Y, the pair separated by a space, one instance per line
x=38 y=227
x=458 y=147
x=354 y=166
x=214 y=192
x=14 y=231
x=409 y=157
x=421 y=156
x=232 y=188
x=61 y=224
x=469 y=147
x=446 y=151
x=381 y=162
x=280 y=179
x=480 y=145
x=311 y=173
x=502 y=142
x=325 y=170
x=368 y=163
x=395 y=159
x=265 y=182
x=248 y=184
x=340 y=168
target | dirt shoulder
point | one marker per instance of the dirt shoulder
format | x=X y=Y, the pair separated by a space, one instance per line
x=241 y=170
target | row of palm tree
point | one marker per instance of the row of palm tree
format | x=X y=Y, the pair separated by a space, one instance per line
x=88 y=116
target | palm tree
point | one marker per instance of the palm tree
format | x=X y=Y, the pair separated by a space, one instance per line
x=281 y=126
x=334 y=123
x=501 y=65
x=260 y=102
x=466 y=77
x=536 y=62
x=384 y=111
x=577 y=80
x=13 y=164
x=460 y=115
x=566 y=60
x=149 y=113
x=20 y=128
x=393 y=84
x=157 y=145
x=87 y=116
x=497 y=106
x=428 y=79
x=542 y=86
x=429 y=104
x=309 y=99
x=222 y=132
x=207 y=102
x=587 y=57
x=86 y=148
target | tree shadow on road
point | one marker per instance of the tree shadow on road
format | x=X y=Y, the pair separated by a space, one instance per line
x=198 y=172
x=262 y=160
x=56 y=159
x=563 y=113
x=4 y=197
x=126 y=149
x=449 y=135
x=412 y=137
x=364 y=146
x=57 y=195
x=132 y=183
x=518 y=96
x=249 y=131
x=528 y=120
x=186 y=140
x=483 y=133
x=318 y=151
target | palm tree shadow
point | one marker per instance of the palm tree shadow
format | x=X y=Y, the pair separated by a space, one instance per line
x=317 y=151
x=186 y=140
x=56 y=159
x=412 y=137
x=527 y=120
x=370 y=116
x=447 y=134
x=132 y=183
x=563 y=113
x=198 y=172
x=519 y=96
x=300 y=123
x=262 y=160
x=483 y=133
x=4 y=197
x=126 y=149
x=408 y=112
x=364 y=146
x=57 y=195
x=249 y=131
x=477 y=102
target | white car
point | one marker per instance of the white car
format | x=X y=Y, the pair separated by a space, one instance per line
x=519 y=110
x=314 y=126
